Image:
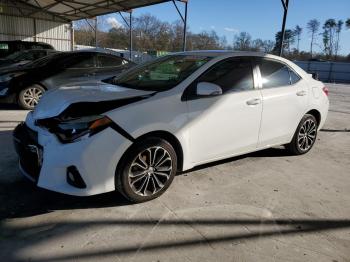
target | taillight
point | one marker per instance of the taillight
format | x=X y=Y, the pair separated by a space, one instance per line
x=325 y=90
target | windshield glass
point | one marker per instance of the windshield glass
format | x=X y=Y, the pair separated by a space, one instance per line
x=15 y=55
x=161 y=74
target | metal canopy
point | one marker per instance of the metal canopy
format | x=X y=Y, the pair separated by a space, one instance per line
x=79 y=9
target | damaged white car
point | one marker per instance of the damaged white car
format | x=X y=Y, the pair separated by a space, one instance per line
x=134 y=132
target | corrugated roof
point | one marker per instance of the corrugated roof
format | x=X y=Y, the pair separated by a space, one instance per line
x=79 y=9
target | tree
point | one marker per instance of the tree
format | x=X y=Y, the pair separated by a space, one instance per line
x=347 y=23
x=338 y=30
x=289 y=39
x=242 y=41
x=329 y=32
x=268 y=46
x=313 y=27
x=297 y=32
x=257 y=45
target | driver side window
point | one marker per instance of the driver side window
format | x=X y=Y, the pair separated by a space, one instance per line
x=233 y=75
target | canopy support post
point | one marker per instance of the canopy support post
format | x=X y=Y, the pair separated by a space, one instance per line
x=184 y=20
x=283 y=31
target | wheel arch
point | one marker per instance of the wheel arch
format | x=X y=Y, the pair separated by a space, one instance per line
x=23 y=85
x=316 y=114
x=169 y=137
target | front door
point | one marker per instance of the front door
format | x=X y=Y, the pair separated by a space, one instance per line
x=228 y=124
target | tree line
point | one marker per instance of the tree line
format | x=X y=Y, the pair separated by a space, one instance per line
x=330 y=34
x=150 y=34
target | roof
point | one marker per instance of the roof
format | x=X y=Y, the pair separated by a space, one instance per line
x=79 y=9
x=216 y=53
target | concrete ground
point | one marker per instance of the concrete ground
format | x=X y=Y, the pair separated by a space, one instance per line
x=265 y=206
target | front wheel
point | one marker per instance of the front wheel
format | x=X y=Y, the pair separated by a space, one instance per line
x=29 y=97
x=147 y=170
x=305 y=136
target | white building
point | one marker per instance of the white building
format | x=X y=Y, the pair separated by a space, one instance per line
x=19 y=21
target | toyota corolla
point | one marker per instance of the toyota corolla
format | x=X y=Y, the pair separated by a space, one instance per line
x=133 y=133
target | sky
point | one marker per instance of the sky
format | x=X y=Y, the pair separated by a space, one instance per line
x=260 y=18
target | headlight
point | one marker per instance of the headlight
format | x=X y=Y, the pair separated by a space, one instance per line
x=8 y=77
x=73 y=130
x=3 y=91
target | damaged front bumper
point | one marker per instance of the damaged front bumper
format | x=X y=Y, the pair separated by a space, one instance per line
x=94 y=158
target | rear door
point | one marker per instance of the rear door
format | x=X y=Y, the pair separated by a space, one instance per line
x=77 y=68
x=227 y=124
x=109 y=65
x=284 y=101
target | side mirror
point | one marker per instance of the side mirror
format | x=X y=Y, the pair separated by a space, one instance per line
x=208 y=89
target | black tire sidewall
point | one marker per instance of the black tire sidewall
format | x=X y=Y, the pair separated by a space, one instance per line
x=295 y=144
x=122 y=172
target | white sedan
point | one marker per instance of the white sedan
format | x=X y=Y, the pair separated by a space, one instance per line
x=134 y=132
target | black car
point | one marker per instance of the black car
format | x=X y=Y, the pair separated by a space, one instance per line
x=21 y=58
x=10 y=47
x=25 y=85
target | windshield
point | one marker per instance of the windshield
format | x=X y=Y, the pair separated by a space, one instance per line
x=15 y=55
x=161 y=74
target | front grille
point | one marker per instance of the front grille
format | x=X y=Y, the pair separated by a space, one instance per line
x=28 y=150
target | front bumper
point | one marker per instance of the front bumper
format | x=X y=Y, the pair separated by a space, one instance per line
x=95 y=158
x=29 y=151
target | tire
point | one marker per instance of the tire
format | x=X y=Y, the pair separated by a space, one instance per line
x=136 y=176
x=302 y=141
x=29 y=97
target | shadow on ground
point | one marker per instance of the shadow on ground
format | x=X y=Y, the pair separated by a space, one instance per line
x=4 y=106
x=267 y=228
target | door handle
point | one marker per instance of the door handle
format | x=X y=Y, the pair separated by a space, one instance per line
x=301 y=93
x=253 y=102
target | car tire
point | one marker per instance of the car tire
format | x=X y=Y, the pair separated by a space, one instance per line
x=305 y=136
x=146 y=170
x=29 y=97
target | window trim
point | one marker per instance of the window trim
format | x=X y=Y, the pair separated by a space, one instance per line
x=256 y=61
x=185 y=96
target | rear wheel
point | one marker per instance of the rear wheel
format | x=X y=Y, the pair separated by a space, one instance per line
x=29 y=97
x=147 y=170
x=305 y=136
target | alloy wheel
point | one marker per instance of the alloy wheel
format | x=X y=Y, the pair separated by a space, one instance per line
x=307 y=135
x=150 y=171
x=32 y=96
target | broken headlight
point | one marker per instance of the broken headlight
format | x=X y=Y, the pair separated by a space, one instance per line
x=71 y=130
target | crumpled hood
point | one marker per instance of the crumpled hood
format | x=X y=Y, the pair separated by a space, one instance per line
x=55 y=101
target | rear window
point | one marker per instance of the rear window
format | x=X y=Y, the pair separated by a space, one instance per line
x=275 y=74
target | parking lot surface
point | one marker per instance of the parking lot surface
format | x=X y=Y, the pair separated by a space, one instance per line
x=264 y=206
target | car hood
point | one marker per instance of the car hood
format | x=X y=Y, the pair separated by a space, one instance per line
x=55 y=101
x=9 y=67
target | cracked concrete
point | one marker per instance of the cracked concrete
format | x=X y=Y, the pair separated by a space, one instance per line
x=265 y=206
